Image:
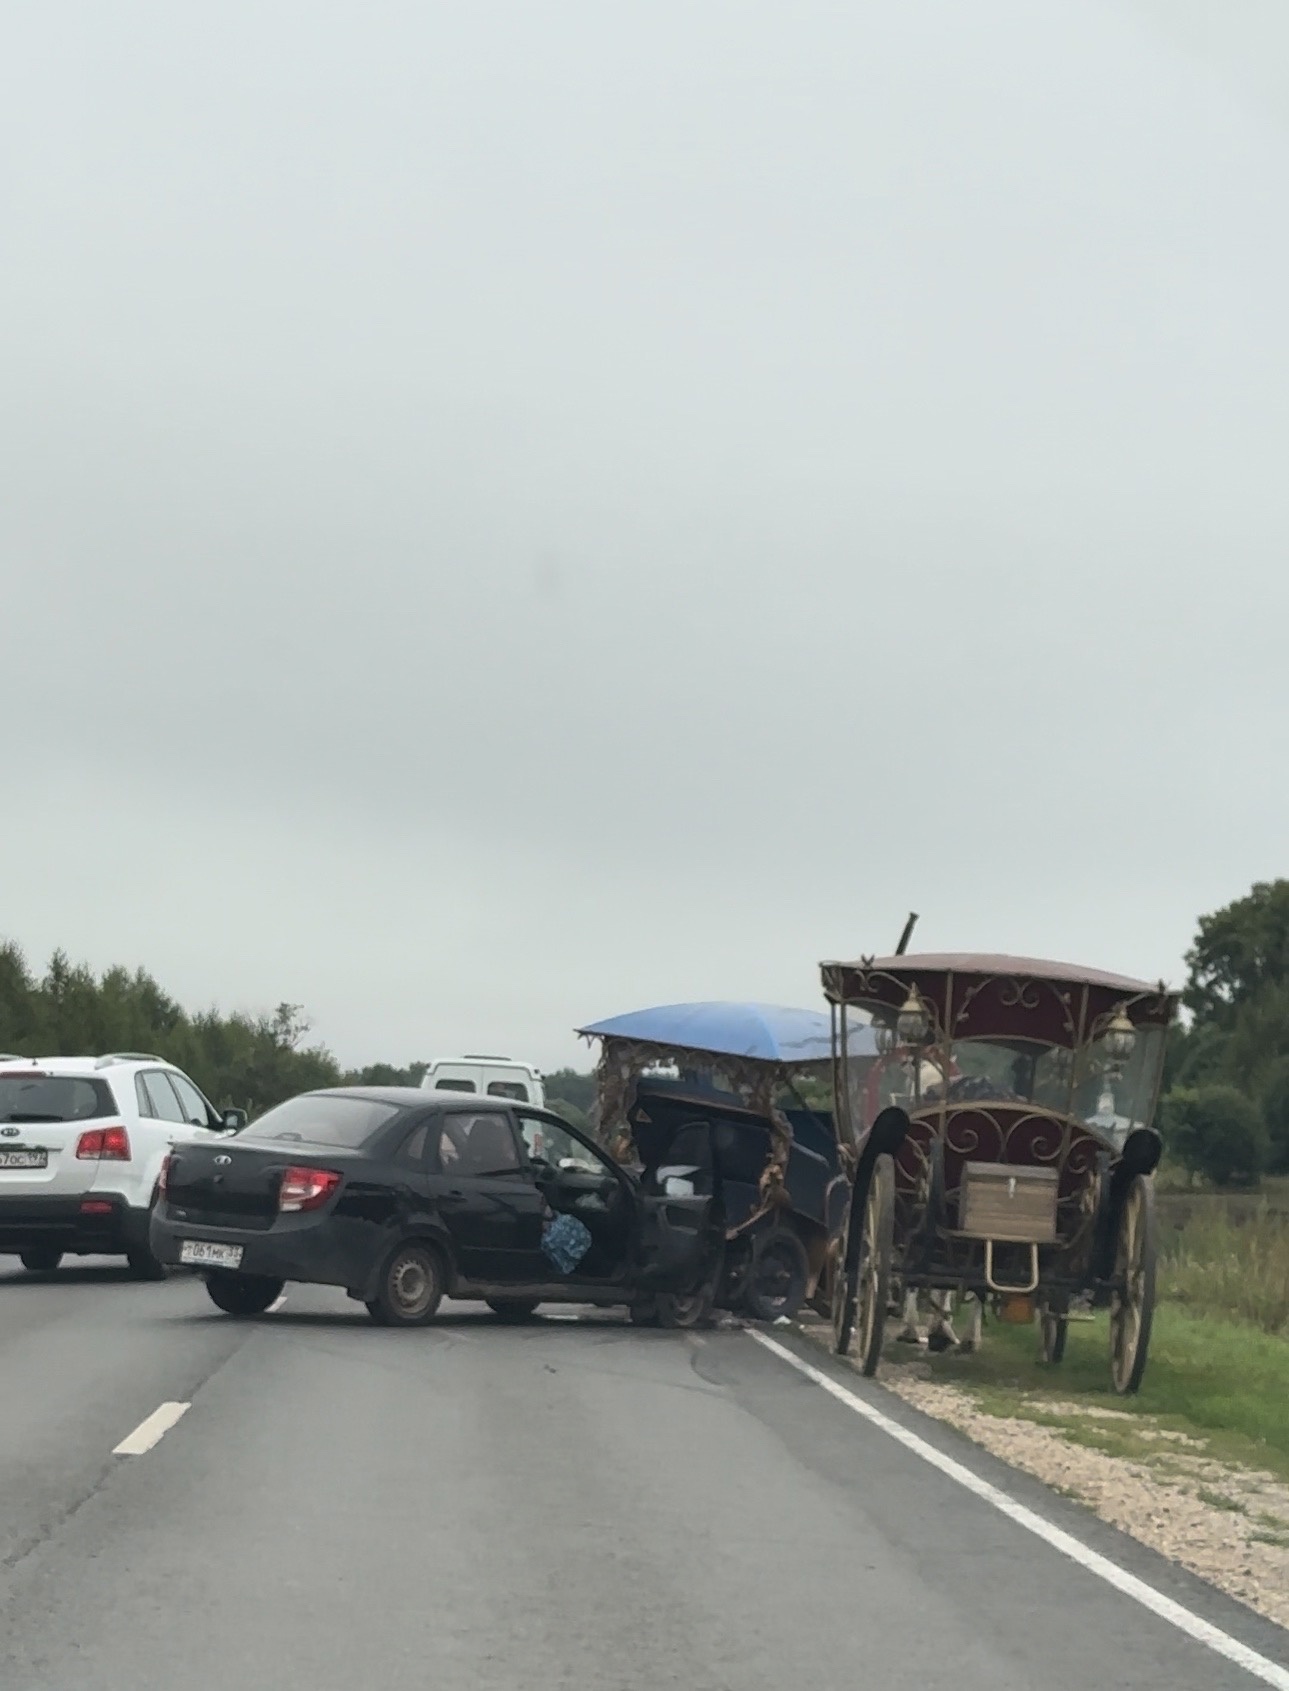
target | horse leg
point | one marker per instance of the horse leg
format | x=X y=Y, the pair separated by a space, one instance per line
x=975 y=1323
x=941 y=1335
x=909 y=1333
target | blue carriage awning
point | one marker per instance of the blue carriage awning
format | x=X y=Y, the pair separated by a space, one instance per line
x=767 y=1033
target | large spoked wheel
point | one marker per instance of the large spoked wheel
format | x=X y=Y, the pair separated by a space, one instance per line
x=875 y=1265
x=411 y=1288
x=863 y=1279
x=779 y=1276
x=1054 y=1326
x=1132 y=1305
x=242 y=1294
x=844 y=1300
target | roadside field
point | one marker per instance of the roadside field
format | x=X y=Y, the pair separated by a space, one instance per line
x=1221 y=1383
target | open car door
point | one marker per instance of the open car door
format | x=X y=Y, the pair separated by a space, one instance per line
x=677 y=1242
x=647 y=1241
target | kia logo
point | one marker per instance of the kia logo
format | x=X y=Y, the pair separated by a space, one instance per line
x=9 y=1132
x=222 y=1162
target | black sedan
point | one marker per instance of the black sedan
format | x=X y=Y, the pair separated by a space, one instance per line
x=403 y=1197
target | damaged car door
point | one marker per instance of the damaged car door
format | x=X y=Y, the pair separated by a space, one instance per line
x=647 y=1243
x=679 y=1244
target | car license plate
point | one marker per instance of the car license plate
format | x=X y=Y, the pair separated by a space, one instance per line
x=200 y=1251
x=24 y=1159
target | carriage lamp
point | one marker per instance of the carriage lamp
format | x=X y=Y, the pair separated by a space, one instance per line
x=913 y=1023
x=1120 y=1037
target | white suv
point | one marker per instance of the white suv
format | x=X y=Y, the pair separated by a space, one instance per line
x=81 y=1145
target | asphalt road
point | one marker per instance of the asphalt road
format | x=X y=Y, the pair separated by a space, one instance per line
x=570 y=1504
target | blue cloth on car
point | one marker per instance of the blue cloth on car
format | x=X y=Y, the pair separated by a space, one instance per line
x=566 y=1241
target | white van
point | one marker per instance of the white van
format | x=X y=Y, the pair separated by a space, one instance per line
x=490 y=1077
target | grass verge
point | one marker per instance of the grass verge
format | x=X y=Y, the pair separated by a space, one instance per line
x=1222 y=1383
x=1234 y=1269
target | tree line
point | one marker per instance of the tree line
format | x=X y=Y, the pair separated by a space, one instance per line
x=1225 y=1114
x=240 y=1060
x=1226 y=1104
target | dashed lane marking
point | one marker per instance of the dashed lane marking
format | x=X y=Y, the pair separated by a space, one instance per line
x=151 y=1431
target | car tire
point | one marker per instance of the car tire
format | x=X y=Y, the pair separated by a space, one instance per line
x=696 y=1308
x=243 y=1294
x=513 y=1309
x=644 y=1314
x=411 y=1288
x=144 y=1266
x=779 y=1276
x=684 y=1311
x=44 y=1259
x=139 y=1258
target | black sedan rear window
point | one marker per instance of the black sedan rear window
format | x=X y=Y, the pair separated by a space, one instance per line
x=54 y=1097
x=318 y=1120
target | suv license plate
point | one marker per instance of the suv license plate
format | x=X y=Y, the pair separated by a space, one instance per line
x=24 y=1159
x=210 y=1256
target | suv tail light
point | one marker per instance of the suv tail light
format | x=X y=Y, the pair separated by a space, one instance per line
x=116 y=1145
x=163 y=1179
x=306 y=1188
x=104 y=1144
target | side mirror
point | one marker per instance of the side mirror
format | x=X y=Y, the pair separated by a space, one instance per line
x=233 y=1121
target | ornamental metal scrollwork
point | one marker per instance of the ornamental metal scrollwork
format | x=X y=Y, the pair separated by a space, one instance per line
x=1015 y=992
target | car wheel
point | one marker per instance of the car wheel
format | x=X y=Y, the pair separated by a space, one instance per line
x=779 y=1277
x=144 y=1266
x=692 y=1310
x=513 y=1309
x=696 y=1308
x=243 y=1294
x=411 y=1287
x=43 y=1260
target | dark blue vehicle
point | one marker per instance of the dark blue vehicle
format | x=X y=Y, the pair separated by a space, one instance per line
x=730 y=1122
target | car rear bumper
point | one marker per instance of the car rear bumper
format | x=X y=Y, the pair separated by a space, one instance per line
x=87 y=1224
x=320 y=1250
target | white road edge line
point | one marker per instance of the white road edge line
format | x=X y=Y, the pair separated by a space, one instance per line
x=153 y=1430
x=1202 y=1631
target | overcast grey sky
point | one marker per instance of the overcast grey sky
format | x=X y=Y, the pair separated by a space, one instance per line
x=511 y=513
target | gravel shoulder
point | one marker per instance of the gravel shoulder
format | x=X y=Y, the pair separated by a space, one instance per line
x=1228 y=1524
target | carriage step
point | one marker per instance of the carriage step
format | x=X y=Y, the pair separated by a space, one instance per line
x=1031 y=1285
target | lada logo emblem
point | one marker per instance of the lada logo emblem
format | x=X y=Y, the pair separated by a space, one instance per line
x=222 y=1161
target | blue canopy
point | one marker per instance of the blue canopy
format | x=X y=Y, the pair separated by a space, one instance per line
x=766 y=1033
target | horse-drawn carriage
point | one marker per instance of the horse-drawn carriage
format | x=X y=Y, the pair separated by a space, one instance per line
x=1001 y=1146
x=726 y=1099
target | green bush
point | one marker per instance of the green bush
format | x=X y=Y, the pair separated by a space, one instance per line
x=1217 y=1132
